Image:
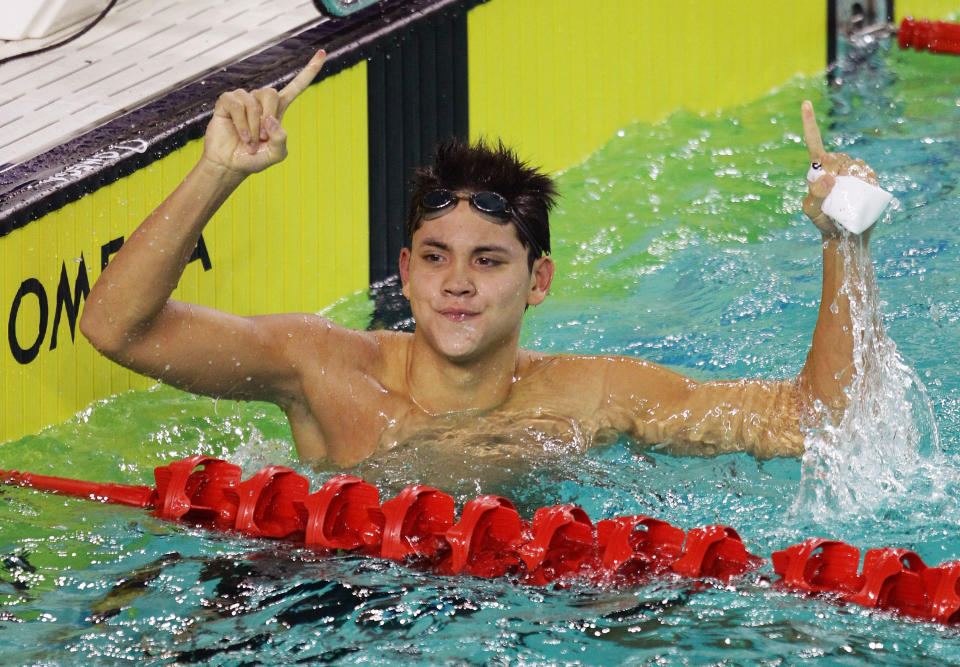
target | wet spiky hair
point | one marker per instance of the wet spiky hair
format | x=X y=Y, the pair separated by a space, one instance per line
x=469 y=168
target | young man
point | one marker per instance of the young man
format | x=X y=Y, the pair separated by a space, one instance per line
x=477 y=259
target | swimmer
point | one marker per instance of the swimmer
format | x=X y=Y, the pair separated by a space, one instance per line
x=476 y=257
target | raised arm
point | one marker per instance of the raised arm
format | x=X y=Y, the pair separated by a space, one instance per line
x=762 y=417
x=129 y=315
x=829 y=366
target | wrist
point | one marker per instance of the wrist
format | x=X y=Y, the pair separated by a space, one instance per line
x=219 y=173
x=835 y=238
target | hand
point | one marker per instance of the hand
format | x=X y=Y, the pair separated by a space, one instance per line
x=245 y=135
x=833 y=164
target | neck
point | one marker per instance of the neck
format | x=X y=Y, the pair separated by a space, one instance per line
x=438 y=385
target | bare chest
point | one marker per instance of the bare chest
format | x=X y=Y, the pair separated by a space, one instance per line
x=360 y=417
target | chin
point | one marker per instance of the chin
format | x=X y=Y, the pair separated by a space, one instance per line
x=457 y=351
x=455 y=346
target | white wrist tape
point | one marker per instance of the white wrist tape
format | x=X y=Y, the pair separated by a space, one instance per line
x=855 y=204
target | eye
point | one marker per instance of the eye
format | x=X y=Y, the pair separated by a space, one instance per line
x=488 y=261
x=432 y=257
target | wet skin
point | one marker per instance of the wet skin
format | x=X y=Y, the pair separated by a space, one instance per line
x=350 y=393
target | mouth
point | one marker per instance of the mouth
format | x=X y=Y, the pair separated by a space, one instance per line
x=458 y=314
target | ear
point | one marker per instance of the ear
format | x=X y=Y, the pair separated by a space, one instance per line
x=540 y=279
x=405 y=272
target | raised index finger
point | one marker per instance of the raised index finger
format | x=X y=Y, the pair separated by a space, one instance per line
x=811 y=133
x=300 y=82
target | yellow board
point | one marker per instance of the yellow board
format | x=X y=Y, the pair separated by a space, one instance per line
x=567 y=74
x=294 y=238
x=926 y=9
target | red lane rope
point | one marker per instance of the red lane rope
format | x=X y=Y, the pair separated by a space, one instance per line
x=561 y=544
x=933 y=36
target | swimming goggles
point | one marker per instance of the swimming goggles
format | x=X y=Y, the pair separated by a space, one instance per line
x=485 y=202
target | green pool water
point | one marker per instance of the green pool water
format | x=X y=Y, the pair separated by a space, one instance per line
x=680 y=242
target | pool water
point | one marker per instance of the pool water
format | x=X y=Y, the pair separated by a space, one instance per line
x=681 y=242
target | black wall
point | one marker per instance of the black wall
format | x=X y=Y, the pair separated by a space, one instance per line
x=416 y=96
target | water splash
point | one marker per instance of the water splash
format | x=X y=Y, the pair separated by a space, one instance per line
x=886 y=446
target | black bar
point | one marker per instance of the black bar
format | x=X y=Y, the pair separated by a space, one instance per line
x=417 y=96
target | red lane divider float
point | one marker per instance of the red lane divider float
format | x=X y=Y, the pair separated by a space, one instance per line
x=891 y=579
x=933 y=36
x=561 y=544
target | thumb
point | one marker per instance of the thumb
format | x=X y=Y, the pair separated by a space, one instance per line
x=812 y=203
x=821 y=187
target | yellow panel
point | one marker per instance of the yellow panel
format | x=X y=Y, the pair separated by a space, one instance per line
x=926 y=9
x=576 y=72
x=359 y=180
x=264 y=246
x=11 y=272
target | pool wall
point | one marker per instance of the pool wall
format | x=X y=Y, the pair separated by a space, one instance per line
x=553 y=78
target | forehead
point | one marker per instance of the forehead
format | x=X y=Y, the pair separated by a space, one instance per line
x=463 y=226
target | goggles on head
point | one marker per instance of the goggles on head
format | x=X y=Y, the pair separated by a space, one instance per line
x=489 y=204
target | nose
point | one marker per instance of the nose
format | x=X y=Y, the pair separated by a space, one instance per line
x=457 y=281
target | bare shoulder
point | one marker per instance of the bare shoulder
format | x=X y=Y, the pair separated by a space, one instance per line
x=611 y=379
x=313 y=339
x=592 y=367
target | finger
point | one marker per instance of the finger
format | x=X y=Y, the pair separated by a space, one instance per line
x=811 y=133
x=269 y=100
x=231 y=106
x=300 y=82
x=835 y=163
x=822 y=221
x=811 y=207
x=862 y=170
x=253 y=111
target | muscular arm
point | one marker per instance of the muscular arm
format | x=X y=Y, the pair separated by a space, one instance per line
x=763 y=418
x=829 y=366
x=682 y=416
x=129 y=315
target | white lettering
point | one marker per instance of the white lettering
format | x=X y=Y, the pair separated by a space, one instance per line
x=96 y=161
